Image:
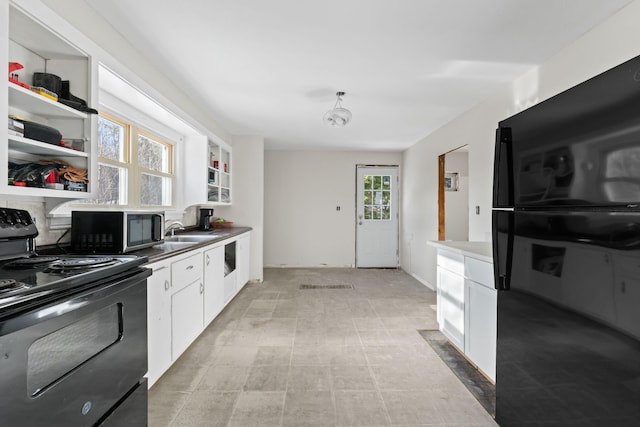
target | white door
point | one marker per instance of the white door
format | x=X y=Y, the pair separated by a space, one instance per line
x=377 y=216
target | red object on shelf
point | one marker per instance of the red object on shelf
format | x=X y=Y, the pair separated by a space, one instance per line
x=15 y=66
x=20 y=184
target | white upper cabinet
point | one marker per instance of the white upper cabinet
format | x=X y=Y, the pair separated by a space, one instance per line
x=38 y=47
x=218 y=173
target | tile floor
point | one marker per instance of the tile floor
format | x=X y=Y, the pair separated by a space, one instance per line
x=281 y=356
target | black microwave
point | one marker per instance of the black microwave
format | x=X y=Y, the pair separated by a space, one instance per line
x=115 y=232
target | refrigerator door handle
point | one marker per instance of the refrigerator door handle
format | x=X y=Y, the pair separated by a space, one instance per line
x=503 y=169
x=502 y=230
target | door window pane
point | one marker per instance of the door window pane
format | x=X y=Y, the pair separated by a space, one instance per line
x=377 y=182
x=377 y=203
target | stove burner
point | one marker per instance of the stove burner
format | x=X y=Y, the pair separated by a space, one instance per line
x=7 y=285
x=31 y=262
x=77 y=264
x=83 y=262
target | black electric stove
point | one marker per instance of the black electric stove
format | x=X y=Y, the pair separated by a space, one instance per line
x=26 y=277
x=73 y=334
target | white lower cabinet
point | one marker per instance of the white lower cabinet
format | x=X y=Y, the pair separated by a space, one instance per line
x=186 y=317
x=213 y=283
x=481 y=321
x=185 y=293
x=467 y=307
x=159 y=320
x=244 y=260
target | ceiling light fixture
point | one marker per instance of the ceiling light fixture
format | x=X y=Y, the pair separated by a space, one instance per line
x=337 y=116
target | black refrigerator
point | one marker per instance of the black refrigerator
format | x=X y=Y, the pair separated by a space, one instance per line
x=566 y=243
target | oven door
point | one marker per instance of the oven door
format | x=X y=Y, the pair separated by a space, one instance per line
x=74 y=361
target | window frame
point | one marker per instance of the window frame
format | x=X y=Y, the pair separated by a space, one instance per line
x=134 y=171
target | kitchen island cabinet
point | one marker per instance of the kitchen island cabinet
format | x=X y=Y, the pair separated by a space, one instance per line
x=467 y=301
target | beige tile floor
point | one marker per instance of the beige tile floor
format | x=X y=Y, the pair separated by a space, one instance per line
x=281 y=356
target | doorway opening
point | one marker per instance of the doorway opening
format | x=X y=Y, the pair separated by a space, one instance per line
x=453 y=195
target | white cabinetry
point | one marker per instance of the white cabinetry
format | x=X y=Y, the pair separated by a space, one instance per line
x=218 y=173
x=451 y=296
x=467 y=306
x=213 y=283
x=187 y=314
x=186 y=293
x=243 y=260
x=40 y=48
x=159 y=319
x=480 y=315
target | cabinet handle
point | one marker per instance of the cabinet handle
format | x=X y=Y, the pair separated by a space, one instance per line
x=208 y=259
x=201 y=288
x=160 y=268
x=166 y=285
x=190 y=267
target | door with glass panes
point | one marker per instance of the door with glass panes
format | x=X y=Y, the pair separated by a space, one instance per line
x=377 y=216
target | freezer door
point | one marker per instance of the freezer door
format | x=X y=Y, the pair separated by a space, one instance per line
x=579 y=148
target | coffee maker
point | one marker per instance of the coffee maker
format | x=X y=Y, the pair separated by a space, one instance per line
x=205 y=218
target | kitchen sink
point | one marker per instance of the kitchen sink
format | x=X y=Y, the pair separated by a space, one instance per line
x=189 y=238
x=174 y=245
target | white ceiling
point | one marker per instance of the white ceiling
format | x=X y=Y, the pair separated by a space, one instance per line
x=272 y=68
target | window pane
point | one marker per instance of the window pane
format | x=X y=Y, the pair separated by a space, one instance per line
x=386 y=212
x=367 y=212
x=155 y=190
x=111 y=140
x=152 y=154
x=377 y=183
x=368 y=197
x=367 y=182
x=386 y=195
x=376 y=212
x=386 y=182
x=113 y=184
x=378 y=200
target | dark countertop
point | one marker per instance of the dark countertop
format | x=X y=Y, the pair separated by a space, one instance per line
x=154 y=254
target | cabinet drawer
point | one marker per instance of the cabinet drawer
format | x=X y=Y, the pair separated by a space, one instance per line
x=479 y=271
x=186 y=271
x=451 y=261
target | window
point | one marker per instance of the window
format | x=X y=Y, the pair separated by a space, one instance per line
x=377 y=197
x=135 y=167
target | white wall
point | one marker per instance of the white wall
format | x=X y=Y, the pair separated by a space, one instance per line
x=248 y=195
x=456 y=203
x=609 y=44
x=302 y=191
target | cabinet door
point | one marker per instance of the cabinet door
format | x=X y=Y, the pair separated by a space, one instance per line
x=186 y=317
x=451 y=306
x=213 y=283
x=244 y=261
x=159 y=320
x=480 y=319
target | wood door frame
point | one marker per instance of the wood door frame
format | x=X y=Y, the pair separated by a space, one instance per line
x=441 y=210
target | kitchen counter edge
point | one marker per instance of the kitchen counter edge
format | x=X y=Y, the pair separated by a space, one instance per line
x=478 y=250
x=154 y=254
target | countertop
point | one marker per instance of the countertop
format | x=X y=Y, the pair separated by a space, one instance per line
x=479 y=250
x=221 y=234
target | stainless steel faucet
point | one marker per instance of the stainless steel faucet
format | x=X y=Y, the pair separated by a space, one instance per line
x=171 y=229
